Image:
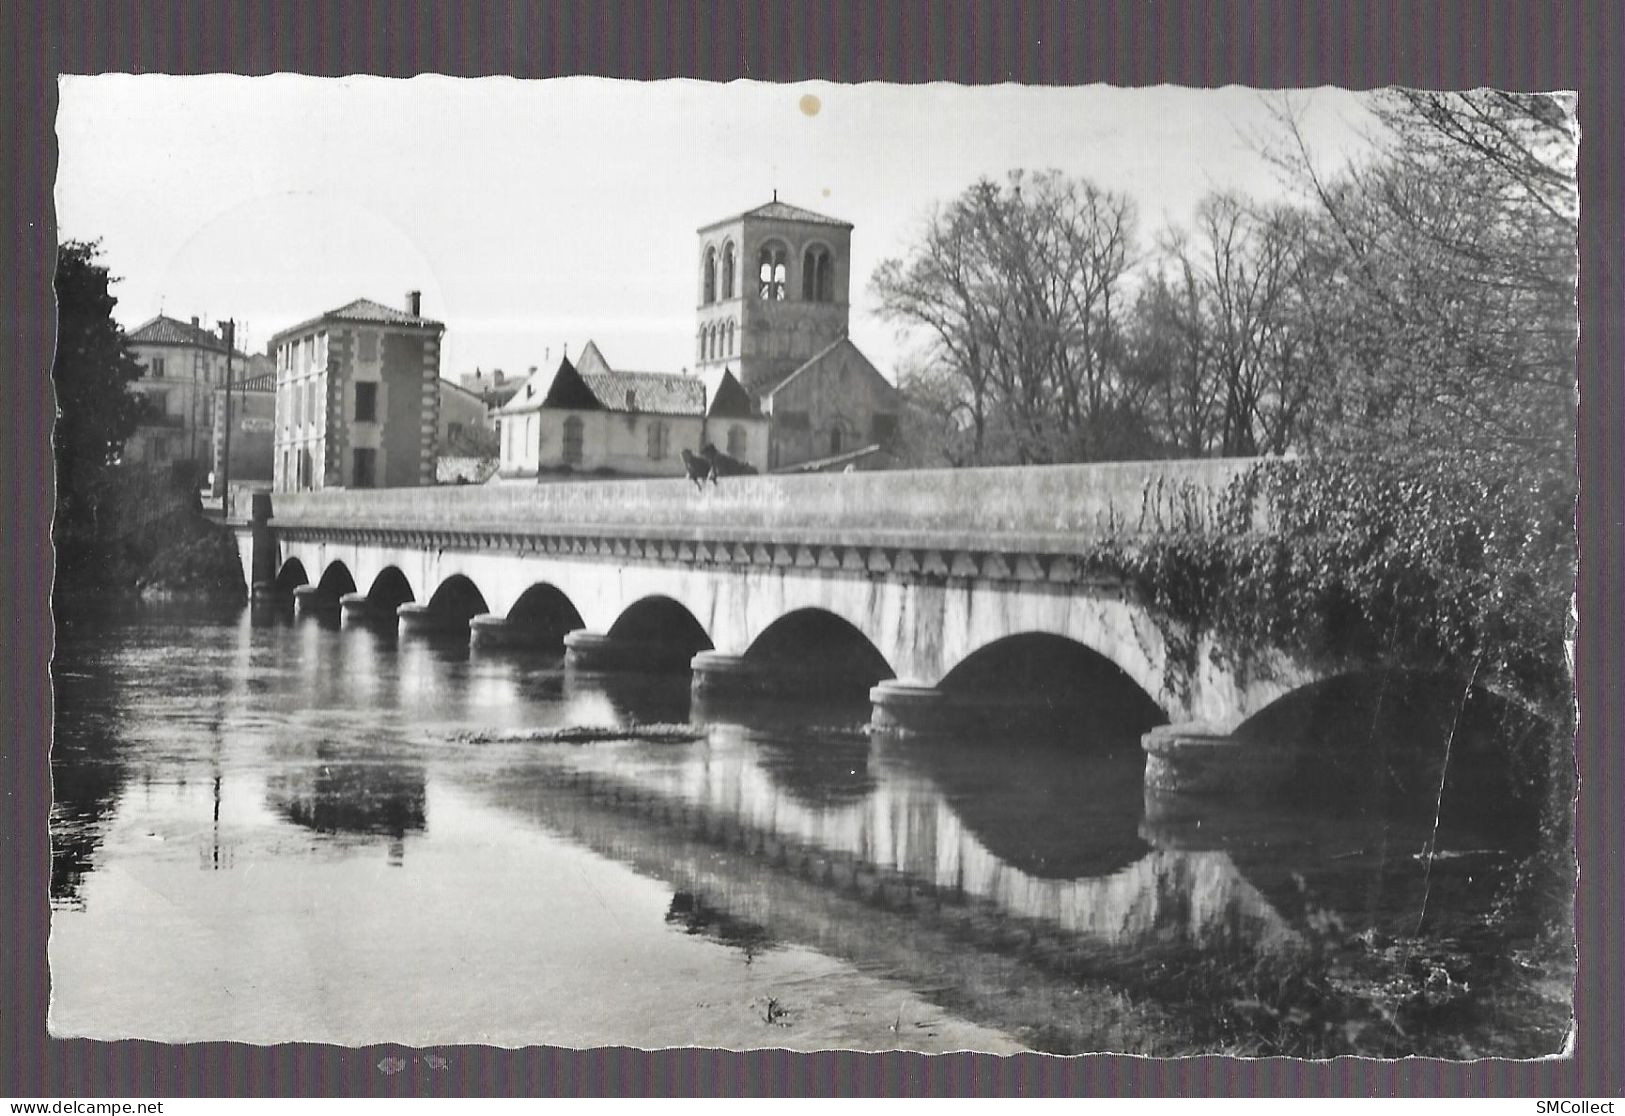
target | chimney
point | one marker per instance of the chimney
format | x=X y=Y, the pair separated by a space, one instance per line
x=194 y=321
x=414 y=303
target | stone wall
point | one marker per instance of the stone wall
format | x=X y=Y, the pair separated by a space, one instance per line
x=991 y=510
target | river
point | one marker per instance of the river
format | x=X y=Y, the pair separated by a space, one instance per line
x=272 y=829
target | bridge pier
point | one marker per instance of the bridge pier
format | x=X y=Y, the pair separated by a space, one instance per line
x=912 y=708
x=1196 y=759
x=716 y=674
x=489 y=632
x=596 y=652
x=359 y=607
x=263 y=551
x=420 y=619
x=311 y=599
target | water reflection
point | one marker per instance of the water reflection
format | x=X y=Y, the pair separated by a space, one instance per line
x=347 y=797
x=1017 y=882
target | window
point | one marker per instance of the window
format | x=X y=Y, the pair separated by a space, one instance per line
x=366 y=402
x=837 y=438
x=310 y=352
x=736 y=441
x=710 y=276
x=572 y=440
x=454 y=430
x=817 y=275
x=771 y=272
x=160 y=449
x=157 y=367
x=365 y=472
x=367 y=345
x=728 y=270
x=659 y=441
x=729 y=349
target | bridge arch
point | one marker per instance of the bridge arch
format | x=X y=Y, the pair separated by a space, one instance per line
x=1051 y=682
x=1448 y=747
x=544 y=613
x=456 y=600
x=336 y=581
x=291 y=576
x=1110 y=626
x=390 y=589
x=815 y=650
x=663 y=620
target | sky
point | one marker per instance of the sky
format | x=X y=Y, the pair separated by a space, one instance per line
x=535 y=215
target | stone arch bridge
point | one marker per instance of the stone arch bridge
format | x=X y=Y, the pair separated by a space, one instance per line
x=931 y=586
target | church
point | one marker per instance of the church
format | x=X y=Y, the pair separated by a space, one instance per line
x=774 y=310
x=777 y=383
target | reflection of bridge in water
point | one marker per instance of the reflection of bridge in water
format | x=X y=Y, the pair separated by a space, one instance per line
x=868 y=853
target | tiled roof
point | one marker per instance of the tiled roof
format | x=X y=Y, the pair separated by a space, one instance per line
x=366 y=310
x=660 y=393
x=265 y=381
x=766 y=388
x=783 y=211
x=167 y=331
x=362 y=310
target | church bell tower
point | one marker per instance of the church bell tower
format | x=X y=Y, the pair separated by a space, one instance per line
x=774 y=287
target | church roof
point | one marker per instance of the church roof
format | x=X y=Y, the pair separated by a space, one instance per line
x=657 y=393
x=776 y=210
x=766 y=389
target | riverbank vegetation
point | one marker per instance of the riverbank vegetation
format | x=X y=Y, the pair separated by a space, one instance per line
x=1400 y=333
x=119 y=529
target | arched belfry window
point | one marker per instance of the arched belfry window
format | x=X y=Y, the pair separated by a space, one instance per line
x=772 y=270
x=710 y=275
x=817 y=275
x=729 y=351
x=729 y=265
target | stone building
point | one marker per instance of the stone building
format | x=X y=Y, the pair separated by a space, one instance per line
x=466 y=451
x=587 y=417
x=358 y=398
x=252 y=412
x=182 y=364
x=774 y=309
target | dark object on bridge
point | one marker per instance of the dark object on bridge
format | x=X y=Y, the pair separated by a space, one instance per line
x=699 y=469
x=726 y=465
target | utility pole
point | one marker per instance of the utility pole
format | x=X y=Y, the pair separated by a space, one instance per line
x=225 y=463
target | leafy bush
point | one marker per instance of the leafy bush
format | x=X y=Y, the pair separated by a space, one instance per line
x=1416 y=562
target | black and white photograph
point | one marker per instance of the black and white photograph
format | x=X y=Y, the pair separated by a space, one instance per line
x=596 y=563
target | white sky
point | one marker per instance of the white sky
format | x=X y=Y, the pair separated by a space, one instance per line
x=537 y=213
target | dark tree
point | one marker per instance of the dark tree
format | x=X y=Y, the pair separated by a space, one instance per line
x=1020 y=293
x=1455 y=260
x=95 y=410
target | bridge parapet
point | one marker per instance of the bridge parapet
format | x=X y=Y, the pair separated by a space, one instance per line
x=1050 y=509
